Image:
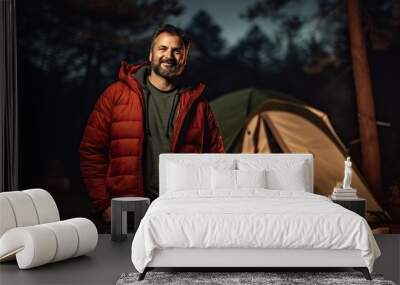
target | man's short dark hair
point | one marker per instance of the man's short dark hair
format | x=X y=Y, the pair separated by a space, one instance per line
x=172 y=30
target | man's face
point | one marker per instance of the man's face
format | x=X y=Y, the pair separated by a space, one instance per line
x=168 y=56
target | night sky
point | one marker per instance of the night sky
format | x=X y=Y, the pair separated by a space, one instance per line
x=226 y=14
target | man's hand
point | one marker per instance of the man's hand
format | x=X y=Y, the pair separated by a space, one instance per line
x=107 y=214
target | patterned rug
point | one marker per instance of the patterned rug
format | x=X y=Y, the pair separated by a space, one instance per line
x=243 y=278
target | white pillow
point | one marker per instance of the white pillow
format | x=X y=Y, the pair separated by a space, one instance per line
x=290 y=179
x=187 y=177
x=220 y=163
x=280 y=175
x=251 y=178
x=193 y=174
x=223 y=179
x=229 y=179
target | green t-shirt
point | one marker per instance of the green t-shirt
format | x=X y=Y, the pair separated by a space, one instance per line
x=160 y=106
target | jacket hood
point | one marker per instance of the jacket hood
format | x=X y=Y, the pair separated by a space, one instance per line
x=135 y=73
x=126 y=71
x=135 y=77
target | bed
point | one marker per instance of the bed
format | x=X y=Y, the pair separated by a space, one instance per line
x=246 y=211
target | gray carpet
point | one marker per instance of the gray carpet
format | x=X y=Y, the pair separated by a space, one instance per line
x=230 y=278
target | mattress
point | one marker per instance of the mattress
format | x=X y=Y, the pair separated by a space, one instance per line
x=250 y=218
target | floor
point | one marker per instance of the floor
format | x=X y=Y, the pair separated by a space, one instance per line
x=103 y=266
x=111 y=259
x=389 y=262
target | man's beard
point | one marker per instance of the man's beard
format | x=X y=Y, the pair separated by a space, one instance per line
x=171 y=72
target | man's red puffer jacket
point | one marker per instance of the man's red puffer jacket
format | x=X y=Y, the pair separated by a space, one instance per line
x=112 y=144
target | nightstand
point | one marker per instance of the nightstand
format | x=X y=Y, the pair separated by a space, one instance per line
x=357 y=205
x=119 y=209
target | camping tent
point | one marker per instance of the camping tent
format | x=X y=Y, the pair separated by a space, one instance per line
x=264 y=121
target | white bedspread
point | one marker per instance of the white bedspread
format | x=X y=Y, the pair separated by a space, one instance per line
x=250 y=218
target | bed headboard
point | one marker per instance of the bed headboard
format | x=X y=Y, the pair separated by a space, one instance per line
x=164 y=157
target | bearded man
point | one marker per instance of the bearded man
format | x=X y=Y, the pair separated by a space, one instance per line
x=149 y=110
